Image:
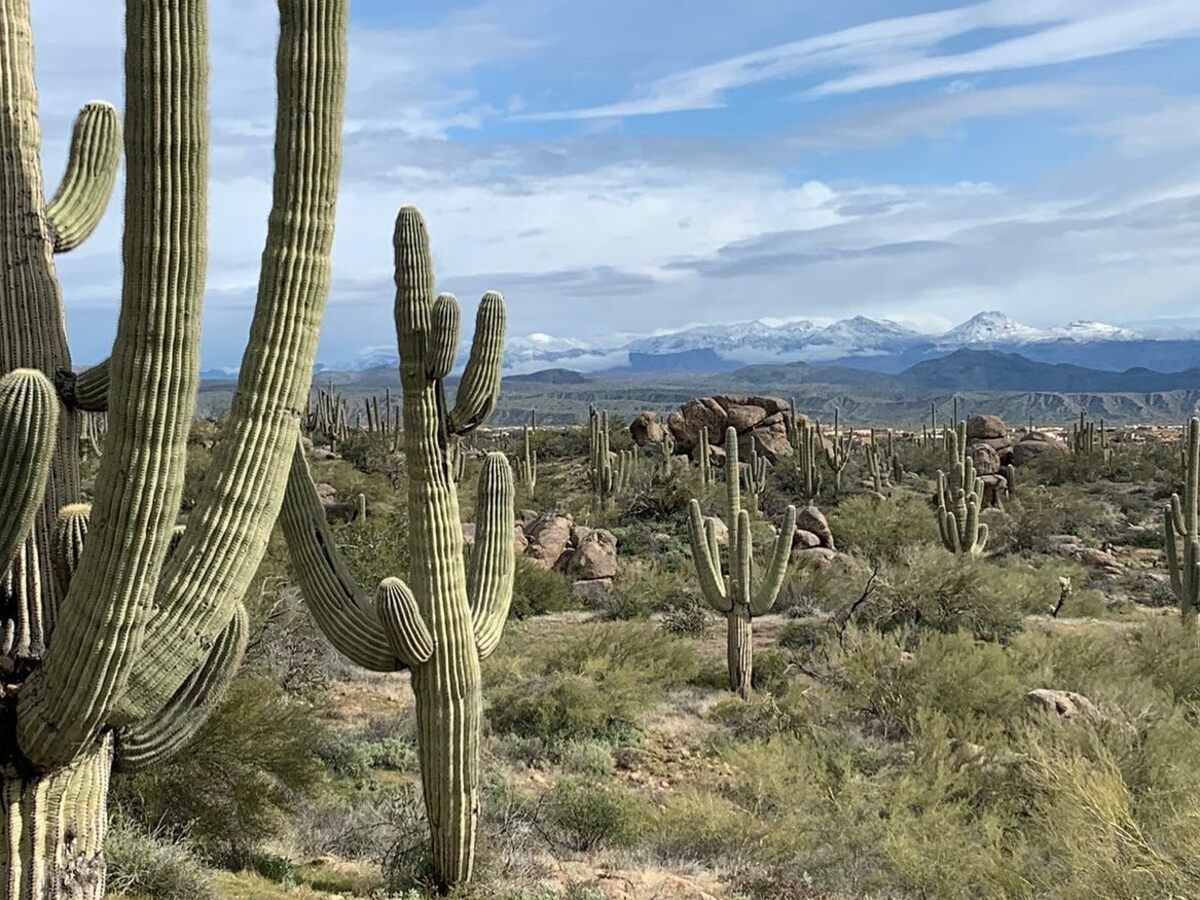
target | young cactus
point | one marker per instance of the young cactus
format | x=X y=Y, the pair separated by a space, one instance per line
x=960 y=497
x=735 y=594
x=808 y=454
x=837 y=450
x=1181 y=526
x=704 y=458
x=754 y=475
x=449 y=616
x=528 y=463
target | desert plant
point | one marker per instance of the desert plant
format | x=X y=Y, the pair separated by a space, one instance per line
x=837 y=449
x=120 y=651
x=704 y=459
x=808 y=451
x=735 y=595
x=960 y=497
x=451 y=617
x=609 y=471
x=1180 y=525
x=527 y=465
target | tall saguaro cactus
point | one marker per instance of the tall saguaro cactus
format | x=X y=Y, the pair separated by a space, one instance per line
x=448 y=617
x=117 y=652
x=1182 y=526
x=736 y=594
x=960 y=498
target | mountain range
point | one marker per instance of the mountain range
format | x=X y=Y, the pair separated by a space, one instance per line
x=860 y=342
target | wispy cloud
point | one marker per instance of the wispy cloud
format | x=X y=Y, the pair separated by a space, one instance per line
x=903 y=50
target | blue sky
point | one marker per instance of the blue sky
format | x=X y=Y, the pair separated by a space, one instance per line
x=623 y=167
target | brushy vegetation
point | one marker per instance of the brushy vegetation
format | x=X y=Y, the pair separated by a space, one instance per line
x=889 y=748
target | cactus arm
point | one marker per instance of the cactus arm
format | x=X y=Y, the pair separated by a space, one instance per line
x=73 y=523
x=243 y=491
x=87 y=391
x=443 y=338
x=714 y=549
x=493 y=561
x=92 y=161
x=1172 y=551
x=155 y=375
x=28 y=436
x=157 y=739
x=406 y=631
x=708 y=567
x=342 y=611
x=480 y=385
x=781 y=554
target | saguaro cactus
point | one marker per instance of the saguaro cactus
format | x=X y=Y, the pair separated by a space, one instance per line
x=837 y=450
x=808 y=454
x=704 y=458
x=119 y=647
x=1181 y=525
x=527 y=465
x=448 y=617
x=960 y=497
x=609 y=472
x=735 y=594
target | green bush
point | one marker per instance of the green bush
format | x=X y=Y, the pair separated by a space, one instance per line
x=883 y=528
x=1040 y=511
x=153 y=865
x=593 y=683
x=585 y=815
x=538 y=591
x=242 y=778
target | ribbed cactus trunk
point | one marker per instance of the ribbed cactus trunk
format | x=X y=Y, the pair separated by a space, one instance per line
x=447 y=686
x=52 y=830
x=740 y=649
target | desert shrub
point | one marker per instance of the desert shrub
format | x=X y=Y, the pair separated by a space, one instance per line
x=153 y=865
x=247 y=771
x=591 y=684
x=1160 y=596
x=658 y=498
x=883 y=528
x=696 y=826
x=538 y=591
x=593 y=758
x=584 y=815
x=355 y=755
x=792 y=711
x=770 y=671
x=377 y=548
x=803 y=635
x=931 y=588
x=373 y=453
x=1039 y=512
x=687 y=618
x=644 y=587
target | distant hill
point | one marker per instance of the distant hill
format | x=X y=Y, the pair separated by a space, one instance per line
x=992 y=370
x=548 y=376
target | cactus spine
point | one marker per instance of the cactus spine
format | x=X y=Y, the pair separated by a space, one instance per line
x=448 y=617
x=140 y=642
x=735 y=594
x=960 y=497
x=1182 y=526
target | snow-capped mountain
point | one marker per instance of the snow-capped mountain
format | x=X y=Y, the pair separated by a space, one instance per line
x=866 y=342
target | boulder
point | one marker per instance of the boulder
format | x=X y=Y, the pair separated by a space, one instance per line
x=595 y=557
x=1065 y=705
x=549 y=535
x=722 y=531
x=980 y=428
x=703 y=412
x=743 y=418
x=1033 y=445
x=985 y=458
x=994 y=488
x=592 y=592
x=812 y=520
x=520 y=542
x=805 y=540
x=647 y=429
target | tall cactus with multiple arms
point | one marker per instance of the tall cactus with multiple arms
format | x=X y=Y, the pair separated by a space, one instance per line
x=808 y=455
x=449 y=616
x=735 y=594
x=754 y=475
x=959 y=498
x=609 y=472
x=837 y=450
x=1182 y=526
x=136 y=642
